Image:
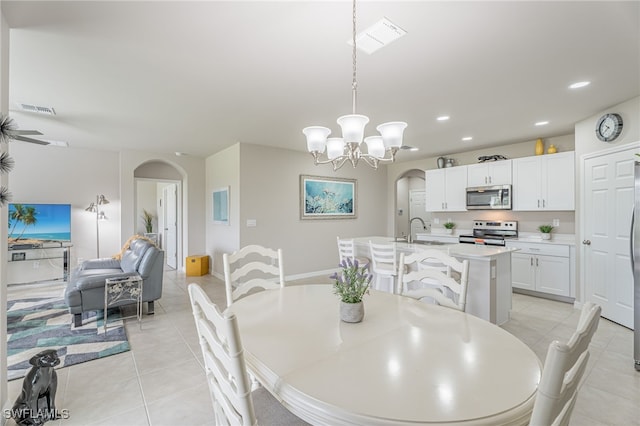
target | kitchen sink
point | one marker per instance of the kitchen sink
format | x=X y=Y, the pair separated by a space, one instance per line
x=429 y=243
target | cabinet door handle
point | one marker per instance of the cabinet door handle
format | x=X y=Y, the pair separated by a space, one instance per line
x=532 y=261
x=536 y=262
x=485 y=180
x=489 y=179
x=544 y=203
x=538 y=203
x=586 y=242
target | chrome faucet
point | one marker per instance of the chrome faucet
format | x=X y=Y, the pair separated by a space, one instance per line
x=424 y=226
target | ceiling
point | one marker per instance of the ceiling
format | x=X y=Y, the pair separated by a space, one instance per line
x=197 y=77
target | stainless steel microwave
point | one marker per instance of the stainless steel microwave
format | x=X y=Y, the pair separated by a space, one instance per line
x=496 y=197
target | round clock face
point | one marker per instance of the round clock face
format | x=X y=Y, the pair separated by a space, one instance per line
x=609 y=127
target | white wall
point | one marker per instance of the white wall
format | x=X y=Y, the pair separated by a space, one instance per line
x=265 y=186
x=223 y=170
x=192 y=172
x=47 y=174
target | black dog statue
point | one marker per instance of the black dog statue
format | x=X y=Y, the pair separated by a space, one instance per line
x=40 y=382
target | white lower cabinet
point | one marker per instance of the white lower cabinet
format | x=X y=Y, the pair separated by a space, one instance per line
x=545 y=268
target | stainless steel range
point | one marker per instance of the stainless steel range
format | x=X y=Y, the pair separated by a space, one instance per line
x=491 y=232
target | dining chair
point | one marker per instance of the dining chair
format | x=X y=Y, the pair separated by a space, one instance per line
x=229 y=386
x=252 y=267
x=347 y=250
x=384 y=264
x=431 y=272
x=563 y=369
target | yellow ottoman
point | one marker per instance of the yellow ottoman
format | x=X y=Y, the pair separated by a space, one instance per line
x=197 y=265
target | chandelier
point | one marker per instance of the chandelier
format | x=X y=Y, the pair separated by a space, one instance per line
x=380 y=148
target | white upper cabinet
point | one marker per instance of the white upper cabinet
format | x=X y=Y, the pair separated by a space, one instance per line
x=486 y=174
x=446 y=189
x=544 y=182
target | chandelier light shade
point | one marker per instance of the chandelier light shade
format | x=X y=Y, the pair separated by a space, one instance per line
x=353 y=127
x=375 y=146
x=380 y=148
x=316 y=138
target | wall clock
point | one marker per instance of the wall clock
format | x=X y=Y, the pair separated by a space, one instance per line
x=609 y=127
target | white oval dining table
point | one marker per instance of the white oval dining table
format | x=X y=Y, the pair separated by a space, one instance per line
x=406 y=363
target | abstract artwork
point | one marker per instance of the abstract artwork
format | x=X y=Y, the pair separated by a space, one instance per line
x=327 y=198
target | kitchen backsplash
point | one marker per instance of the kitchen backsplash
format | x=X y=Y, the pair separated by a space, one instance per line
x=527 y=221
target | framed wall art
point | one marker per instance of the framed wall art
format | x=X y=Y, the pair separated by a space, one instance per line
x=327 y=198
x=221 y=206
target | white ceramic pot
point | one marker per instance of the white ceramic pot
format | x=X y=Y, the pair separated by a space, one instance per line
x=448 y=231
x=351 y=312
x=545 y=235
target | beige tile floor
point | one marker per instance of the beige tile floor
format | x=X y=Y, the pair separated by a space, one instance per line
x=160 y=382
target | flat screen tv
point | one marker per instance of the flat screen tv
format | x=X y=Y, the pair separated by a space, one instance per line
x=33 y=223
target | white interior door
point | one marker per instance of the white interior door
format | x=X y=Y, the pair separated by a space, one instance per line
x=608 y=204
x=170 y=237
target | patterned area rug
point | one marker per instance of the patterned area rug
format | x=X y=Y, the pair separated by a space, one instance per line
x=35 y=324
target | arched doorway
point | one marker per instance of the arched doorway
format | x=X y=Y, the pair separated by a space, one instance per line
x=158 y=191
x=410 y=195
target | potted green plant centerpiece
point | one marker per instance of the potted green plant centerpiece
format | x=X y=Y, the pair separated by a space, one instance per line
x=545 y=231
x=449 y=227
x=351 y=284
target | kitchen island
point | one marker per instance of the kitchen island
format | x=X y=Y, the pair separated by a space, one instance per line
x=489 y=286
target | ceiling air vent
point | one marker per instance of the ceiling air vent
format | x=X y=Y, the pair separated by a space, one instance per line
x=377 y=36
x=38 y=109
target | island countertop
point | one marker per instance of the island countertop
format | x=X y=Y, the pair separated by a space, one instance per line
x=456 y=249
x=489 y=286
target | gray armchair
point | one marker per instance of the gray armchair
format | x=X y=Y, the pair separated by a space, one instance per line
x=85 y=291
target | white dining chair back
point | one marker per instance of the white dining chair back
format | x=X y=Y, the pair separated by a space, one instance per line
x=252 y=267
x=229 y=386
x=428 y=275
x=563 y=369
x=224 y=363
x=384 y=264
x=347 y=250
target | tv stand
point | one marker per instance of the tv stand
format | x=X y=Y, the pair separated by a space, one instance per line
x=46 y=261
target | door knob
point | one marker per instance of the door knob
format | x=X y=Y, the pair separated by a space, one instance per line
x=586 y=242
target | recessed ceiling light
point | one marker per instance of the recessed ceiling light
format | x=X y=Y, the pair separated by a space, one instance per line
x=467 y=138
x=180 y=154
x=414 y=148
x=542 y=123
x=443 y=118
x=579 y=84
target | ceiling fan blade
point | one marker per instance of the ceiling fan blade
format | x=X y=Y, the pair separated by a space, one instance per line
x=30 y=140
x=26 y=132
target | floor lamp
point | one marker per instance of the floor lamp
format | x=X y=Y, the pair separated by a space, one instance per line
x=93 y=207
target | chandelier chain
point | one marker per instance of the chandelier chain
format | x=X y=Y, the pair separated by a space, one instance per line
x=354 y=82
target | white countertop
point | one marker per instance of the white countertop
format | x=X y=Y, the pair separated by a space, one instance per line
x=456 y=249
x=528 y=237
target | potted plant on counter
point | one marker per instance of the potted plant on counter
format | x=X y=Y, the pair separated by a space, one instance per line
x=352 y=283
x=545 y=231
x=449 y=227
